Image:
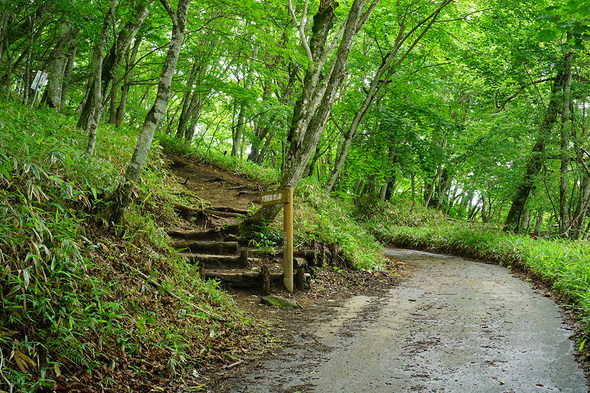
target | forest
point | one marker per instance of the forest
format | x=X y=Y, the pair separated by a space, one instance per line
x=477 y=110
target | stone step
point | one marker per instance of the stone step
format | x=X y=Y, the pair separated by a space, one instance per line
x=209 y=261
x=207 y=247
x=211 y=235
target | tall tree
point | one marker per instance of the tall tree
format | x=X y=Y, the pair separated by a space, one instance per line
x=154 y=116
x=313 y=108
x=389 y=65
x=98 y=88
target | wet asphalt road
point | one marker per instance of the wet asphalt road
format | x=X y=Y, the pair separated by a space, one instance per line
x=453 y=326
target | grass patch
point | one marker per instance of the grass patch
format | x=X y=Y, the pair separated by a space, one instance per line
x=264 y=175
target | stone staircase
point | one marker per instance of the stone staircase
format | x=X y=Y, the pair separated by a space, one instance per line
x=222 y=256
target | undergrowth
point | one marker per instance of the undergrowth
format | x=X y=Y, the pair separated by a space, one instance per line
x=320 y=217
x=317 y=216
x=78 y=304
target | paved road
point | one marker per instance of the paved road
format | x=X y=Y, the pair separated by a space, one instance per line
x=454 y=326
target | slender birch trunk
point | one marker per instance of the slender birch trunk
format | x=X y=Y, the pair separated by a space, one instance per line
x=564 y=216
x=313 y=108
x=154 y=116
x=98 y=108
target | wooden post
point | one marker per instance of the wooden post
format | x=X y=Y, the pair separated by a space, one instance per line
x=286 y=198
x=288 y=249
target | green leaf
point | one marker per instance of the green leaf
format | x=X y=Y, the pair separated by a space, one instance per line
x=546 y=35
x=5 y=172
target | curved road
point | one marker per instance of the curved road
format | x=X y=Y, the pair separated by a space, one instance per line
x=453 y=326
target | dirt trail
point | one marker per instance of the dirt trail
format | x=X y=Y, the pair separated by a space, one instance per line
x=453 y=326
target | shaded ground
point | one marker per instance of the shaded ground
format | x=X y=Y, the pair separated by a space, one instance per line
x=452 y=326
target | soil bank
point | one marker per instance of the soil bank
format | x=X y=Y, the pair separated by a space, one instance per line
x=453 y=326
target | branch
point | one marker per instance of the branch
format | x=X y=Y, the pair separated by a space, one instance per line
x=513 y=96
x=170 y=11
x=465 y=16
x=366 y=15
x=585 y=166
x=336 y=123
x=363 y=19
x=302 y=33
x=432 y=17
x=401 y=38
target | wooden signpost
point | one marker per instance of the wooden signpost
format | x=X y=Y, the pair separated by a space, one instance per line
x=284 y=196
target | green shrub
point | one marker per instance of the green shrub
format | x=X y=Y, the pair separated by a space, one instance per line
x=323 y=218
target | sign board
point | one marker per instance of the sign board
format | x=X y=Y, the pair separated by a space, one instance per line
x=274 y=197
x=39 y=81
x=284 y=196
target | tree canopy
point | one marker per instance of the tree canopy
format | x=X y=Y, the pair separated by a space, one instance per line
x=476 y=108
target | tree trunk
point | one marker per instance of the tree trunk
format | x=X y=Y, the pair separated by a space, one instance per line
x=431 y=187
x=113 y=100
x=239 y=130
x=313 y=108
x=535 y=163
x=260 y=133
x=98 y=107
x=564 y=219
x=262 y=154
x=539 y=221
x=473 y=211
x=187 y=102
x=129 y=64
x=28 y=71
x=413 y=188
x=68 y=74
x=58 y=66
x=113 y=59
x=484 y=209
x=157 y=111
x=581 y=209
x=443 y=189
x=55 y=84
x=525 y=220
